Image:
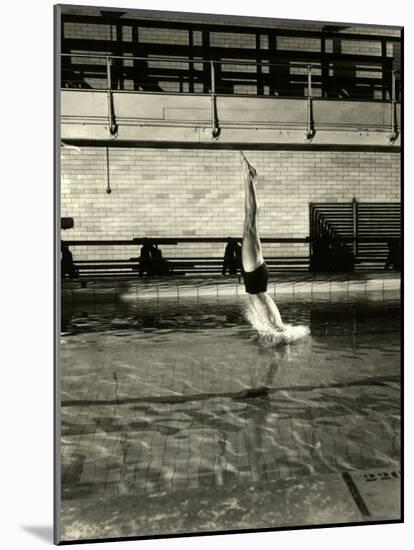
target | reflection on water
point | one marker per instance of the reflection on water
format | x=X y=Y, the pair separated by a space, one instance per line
x=165 y=396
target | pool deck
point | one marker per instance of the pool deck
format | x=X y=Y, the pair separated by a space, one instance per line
x=281 y=286
x=316 y=500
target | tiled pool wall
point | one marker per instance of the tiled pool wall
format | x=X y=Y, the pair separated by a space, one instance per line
x=173 y=192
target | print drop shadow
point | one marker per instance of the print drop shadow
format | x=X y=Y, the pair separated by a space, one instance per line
x=42 y=532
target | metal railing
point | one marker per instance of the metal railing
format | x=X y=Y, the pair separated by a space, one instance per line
x=353 y=234
x=325 y=79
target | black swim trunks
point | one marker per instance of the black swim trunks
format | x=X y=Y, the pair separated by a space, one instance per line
x=256 y=281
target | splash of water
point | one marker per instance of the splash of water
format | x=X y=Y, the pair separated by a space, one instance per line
x=268 y=335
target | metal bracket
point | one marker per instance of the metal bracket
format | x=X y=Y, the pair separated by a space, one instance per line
x=113 y=127
x=394 y=125
x=215 y=130
x=310 y=129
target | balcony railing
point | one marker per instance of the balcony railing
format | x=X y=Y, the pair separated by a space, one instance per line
x=326 y=79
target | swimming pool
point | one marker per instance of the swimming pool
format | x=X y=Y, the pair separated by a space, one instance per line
x=165 y=396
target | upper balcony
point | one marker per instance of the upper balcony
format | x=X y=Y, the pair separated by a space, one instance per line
x=201 y=93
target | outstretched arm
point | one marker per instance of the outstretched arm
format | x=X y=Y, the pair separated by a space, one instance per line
x=252 y=256
x=248 y=169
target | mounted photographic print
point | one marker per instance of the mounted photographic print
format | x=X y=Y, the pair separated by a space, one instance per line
x=228 y=266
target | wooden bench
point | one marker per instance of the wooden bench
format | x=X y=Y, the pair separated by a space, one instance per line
x=182 y=266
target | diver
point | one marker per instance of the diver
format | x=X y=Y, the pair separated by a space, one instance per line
x=262 y=313
x=254 y=269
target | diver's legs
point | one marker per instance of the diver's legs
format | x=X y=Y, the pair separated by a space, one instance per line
x=252 y=256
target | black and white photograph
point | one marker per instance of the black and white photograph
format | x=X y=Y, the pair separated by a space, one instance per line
x=228 y=249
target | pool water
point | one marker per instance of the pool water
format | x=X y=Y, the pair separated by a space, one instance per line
x=160 y=396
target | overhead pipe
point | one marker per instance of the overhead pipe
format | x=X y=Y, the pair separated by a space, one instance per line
x=215 y=130
x=108 y=176
x=113 y=127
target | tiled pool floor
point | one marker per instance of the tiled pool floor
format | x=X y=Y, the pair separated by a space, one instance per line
x=167 y=407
